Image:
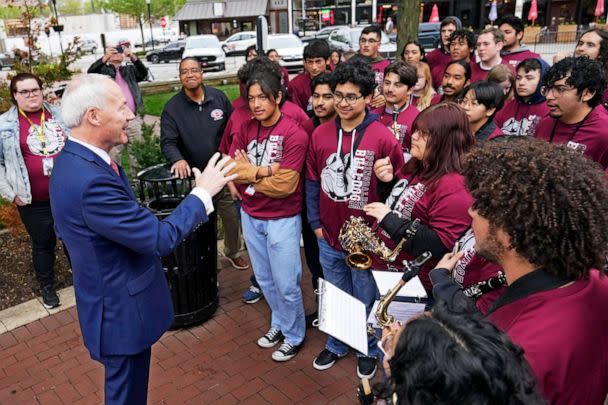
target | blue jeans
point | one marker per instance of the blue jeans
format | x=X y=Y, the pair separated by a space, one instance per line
x=358 y=283
x=274 y=251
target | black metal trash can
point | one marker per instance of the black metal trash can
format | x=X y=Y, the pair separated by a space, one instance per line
x=191 y=270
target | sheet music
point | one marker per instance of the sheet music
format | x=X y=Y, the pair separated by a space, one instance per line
x=386 y=280
x=342 y=316
x=402 y=311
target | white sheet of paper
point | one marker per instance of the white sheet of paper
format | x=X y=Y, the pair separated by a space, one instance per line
x=386 y=280
x=402 y=311
x=342 y=316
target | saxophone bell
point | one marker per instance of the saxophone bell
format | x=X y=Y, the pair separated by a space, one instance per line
x=358 y=259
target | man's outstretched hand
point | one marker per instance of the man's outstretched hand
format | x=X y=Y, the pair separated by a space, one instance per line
x=214 y=178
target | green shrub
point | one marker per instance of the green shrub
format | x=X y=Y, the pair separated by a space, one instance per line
x=147 y=151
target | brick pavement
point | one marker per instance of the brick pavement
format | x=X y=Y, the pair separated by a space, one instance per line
x=218 y=362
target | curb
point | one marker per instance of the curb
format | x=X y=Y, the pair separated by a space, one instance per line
x=32 y=310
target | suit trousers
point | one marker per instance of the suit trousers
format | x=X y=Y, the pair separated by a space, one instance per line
x=126 y=378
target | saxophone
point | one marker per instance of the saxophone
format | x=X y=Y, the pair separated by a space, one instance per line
x=357 y=237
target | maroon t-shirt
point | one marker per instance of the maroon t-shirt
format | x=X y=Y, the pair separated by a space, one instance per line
x=472 y=269
x=285 y=143
x=479 y=74
x=34 y=153
x=243 y=114
x=378 y=69
x=441 y=206
x=520 y=119
x=438 y=60
x=405 y=120
x=309 y=126
x=591 y=138
x=563 y=333
x=240 y=102
x=284 y=77
x=347 y=184
x=299 y=92
x=437 y=98
x=513 y=59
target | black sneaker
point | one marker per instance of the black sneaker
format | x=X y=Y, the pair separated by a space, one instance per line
x=366 y=367
x=50 y=297
x=286 y=351
x=325 y=360
x=271 y=338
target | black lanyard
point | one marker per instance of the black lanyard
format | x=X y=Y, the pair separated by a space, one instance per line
x=578 y=126
x=259 y=158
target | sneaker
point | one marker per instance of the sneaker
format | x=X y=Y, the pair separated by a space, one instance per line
x=366 y=367
x=252 y=295
x=50 y=297
x=325 y=360
x=287 y=351
x=239 y=263
x=311 y=319
x=271 y=338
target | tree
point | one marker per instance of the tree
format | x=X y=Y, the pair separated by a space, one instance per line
x=32 y=13
x=407 y=23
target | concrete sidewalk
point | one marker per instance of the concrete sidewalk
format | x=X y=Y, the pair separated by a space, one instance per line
x=45 y=362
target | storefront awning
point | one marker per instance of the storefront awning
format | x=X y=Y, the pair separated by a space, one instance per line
x=204 y=10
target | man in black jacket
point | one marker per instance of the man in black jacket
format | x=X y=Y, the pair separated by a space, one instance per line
x=126 y=76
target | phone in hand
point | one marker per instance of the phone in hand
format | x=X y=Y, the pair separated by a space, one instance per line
x=120 y=49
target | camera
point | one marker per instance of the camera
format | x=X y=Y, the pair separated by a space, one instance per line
x=119 y=49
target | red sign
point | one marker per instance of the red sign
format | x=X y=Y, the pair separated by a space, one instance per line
x=163 y=22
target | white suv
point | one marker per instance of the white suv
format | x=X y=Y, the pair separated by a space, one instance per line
x=236 y=44
x=290 y=49
x=207 y=49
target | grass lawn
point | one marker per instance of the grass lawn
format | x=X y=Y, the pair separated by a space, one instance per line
x=154 y=104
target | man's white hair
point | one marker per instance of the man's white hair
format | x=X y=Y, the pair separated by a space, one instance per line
x=84 y=92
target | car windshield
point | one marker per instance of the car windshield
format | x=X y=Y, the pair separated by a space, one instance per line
x=356 y=33
x=205 y=42
x=284 y=42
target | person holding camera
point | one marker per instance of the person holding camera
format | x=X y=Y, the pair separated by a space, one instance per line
x=127 y=76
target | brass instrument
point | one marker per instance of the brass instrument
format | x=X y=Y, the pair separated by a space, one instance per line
x=356 y=237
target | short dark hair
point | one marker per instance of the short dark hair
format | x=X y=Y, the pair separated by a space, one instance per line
x=250 y=48
x=323 y=78
x=317 y=48
x=271 y=50
x=408 y=74
x=190 y=58
x=372 y=29
x=510 y=19
x=583 y=73
x=490 y=94
x=450 y=20
x=466 y=66
x=20 y=77
x=529 y=64
x=358 y=72
x=550 y=200
x=270 y=84
x=260 y=64
x=465 y=35
x=450 y=137
x=420 y=47
x=453 y=356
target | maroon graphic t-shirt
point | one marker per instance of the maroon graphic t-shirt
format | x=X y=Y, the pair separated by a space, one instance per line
x=513 y=59
x=284 y=143
x=34 y=153
x=520 y=119
x=441 y=206
x=403 y=126
x=347 y=179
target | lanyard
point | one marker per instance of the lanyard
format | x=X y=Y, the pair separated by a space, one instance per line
x=354 y=145
x=39 y=129
x=260 y=158
x=578 y=126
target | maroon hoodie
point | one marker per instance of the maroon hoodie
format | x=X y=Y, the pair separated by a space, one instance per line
x=520 y=119
x=438 y=60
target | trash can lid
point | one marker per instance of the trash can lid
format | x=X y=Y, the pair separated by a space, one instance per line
x=159 y=172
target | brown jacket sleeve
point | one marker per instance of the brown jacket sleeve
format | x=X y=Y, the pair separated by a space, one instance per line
x=280 y=185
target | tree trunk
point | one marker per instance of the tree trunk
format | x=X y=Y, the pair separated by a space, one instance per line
x=143 y=40
x=407 y=23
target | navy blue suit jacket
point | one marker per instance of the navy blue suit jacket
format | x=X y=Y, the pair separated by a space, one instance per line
x=115 y=245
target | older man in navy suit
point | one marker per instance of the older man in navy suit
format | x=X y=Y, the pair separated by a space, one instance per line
x=115 y=245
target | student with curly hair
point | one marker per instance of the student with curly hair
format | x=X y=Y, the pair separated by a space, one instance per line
x=540 y=212
x=573 y=88
x=451 y=356
x=462 y=45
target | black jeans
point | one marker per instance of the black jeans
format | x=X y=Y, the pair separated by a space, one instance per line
x=38 y=222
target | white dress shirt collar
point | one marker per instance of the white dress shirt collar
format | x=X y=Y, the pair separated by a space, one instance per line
x=98 y=151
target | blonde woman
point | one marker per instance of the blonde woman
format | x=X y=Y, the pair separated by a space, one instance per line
x=503 y=75
x=423 y=90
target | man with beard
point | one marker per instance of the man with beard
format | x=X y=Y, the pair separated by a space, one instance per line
x=191 y=128
x=540 y=212
x=456 y=77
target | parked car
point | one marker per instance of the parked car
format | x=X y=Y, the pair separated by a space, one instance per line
x=429 y=35
x=7 y=60
x=173 y=51
x=323 y=33
x=88 y=46
x=236 y=44
x=346 y=39
x=290 y=49
x=207 y=49
x=158 y=42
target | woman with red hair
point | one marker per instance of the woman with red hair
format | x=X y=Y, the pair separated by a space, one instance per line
x=429 y=188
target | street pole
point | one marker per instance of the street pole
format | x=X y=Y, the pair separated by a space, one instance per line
x=150 y=22
x=57 y=28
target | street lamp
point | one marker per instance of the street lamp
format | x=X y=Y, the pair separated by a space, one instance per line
x=150 y=22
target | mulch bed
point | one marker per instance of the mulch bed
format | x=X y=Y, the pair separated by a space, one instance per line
x=17 y=279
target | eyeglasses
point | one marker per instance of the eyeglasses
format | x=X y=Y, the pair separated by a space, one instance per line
x=194 y=71
x=558 y=91
x=468 y=102
x=370 y=41
x=29 y=93
x=350 y=98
